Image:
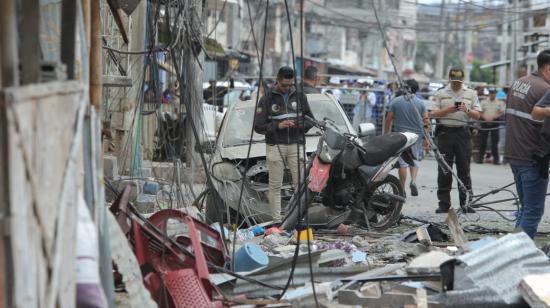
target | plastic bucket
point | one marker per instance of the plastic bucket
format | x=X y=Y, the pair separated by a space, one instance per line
x=250 y=257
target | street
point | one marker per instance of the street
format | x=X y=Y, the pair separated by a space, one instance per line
x=485 y=177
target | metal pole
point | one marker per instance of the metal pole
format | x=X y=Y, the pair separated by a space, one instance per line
x=441 y=51
x=96 y=64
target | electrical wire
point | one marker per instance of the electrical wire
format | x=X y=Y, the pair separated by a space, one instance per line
x=475 y=27
x=302 y=72
x=300 y=105
x=247 y=161
x=219 y=18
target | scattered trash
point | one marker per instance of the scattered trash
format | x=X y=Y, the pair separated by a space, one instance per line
x=272 y=230
x=358 y=256
x=258 y=230
x=456 y=230
x=250 y=257
x=360 y=242
x=245 y=235
x=150 y=188
x=305 y=235
x=342 y=229
x=216 y=226
x=275 y=240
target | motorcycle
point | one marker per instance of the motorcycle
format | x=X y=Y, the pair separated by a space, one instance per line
x=351 y=179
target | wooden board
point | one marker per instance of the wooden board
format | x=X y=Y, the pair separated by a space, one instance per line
x=44 y=142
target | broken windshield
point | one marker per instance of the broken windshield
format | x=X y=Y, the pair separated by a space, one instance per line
x=239 y=122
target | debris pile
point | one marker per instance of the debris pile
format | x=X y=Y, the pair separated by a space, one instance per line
x=184 y=260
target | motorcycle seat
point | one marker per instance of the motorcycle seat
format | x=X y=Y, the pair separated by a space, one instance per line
x=380 y=148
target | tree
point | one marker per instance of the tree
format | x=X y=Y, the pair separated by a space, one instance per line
x=480 y=75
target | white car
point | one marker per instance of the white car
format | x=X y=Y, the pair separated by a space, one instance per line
x=228 y=162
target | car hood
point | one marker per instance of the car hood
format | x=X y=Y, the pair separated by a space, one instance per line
x=258 y=149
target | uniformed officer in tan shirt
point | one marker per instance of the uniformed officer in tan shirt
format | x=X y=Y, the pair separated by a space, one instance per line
x=491 y=110
x=455 y=105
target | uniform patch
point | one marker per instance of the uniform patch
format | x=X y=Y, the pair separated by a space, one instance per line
x=293 y=105
x=259 y=110
x=275 y=108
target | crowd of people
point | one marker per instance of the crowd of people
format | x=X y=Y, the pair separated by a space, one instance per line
x=447 y=118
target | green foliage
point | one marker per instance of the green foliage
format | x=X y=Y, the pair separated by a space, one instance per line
x=481 y=75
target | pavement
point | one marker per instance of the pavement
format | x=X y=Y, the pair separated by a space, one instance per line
x=485 y=177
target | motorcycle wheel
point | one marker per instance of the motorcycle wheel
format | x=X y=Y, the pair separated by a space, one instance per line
x=384 y=217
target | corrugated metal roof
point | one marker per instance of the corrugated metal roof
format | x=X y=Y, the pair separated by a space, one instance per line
x=490 y=275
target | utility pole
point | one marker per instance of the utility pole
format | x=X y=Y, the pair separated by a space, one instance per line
x=502 y=76
x=442 y=41
x=381 y=51
x=96 y=62
x=192 y=77
x=469 y=56
x=124 y=130
x=515 y=30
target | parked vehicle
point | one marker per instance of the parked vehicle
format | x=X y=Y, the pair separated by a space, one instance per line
x=229 y=158
x=351 y=179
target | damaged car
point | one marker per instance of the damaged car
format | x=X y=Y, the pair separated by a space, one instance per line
x=228 y=160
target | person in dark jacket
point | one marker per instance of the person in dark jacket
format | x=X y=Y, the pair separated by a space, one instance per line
x=279 y=116
x=311 y=79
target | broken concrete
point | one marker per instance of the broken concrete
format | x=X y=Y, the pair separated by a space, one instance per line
x=535 y=291
x=110 y=166
x=303 y=297
x=135 y=186
x=428 y=263
x=146 y=203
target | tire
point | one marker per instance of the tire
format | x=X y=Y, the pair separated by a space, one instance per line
x=382 y=219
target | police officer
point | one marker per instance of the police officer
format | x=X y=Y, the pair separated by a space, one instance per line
x=279 y=118
x=524 y=147
x=455 y=105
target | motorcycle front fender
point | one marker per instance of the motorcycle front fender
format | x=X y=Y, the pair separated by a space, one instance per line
x=319 y=175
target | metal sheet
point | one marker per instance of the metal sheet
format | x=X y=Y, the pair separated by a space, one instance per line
x=490 y=275
x=300 y=278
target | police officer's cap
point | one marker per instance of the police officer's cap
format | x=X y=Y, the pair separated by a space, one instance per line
x=456 y=74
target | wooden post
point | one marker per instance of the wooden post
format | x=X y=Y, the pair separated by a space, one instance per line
x=8 y=33
x=30 y=45
x=96 y=63
x=68 y=36
x=86 y=14
x=9 y=76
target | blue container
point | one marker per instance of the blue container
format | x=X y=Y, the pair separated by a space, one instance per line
x=151 y=188
x=250 y=257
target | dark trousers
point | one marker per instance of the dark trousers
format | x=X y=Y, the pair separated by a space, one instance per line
x=484 y=134
x=455 y=144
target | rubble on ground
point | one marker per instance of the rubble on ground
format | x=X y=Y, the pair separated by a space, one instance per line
x=425 y=266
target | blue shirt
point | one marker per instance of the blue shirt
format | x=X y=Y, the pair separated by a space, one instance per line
x=286 y=96
x=405 y=118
